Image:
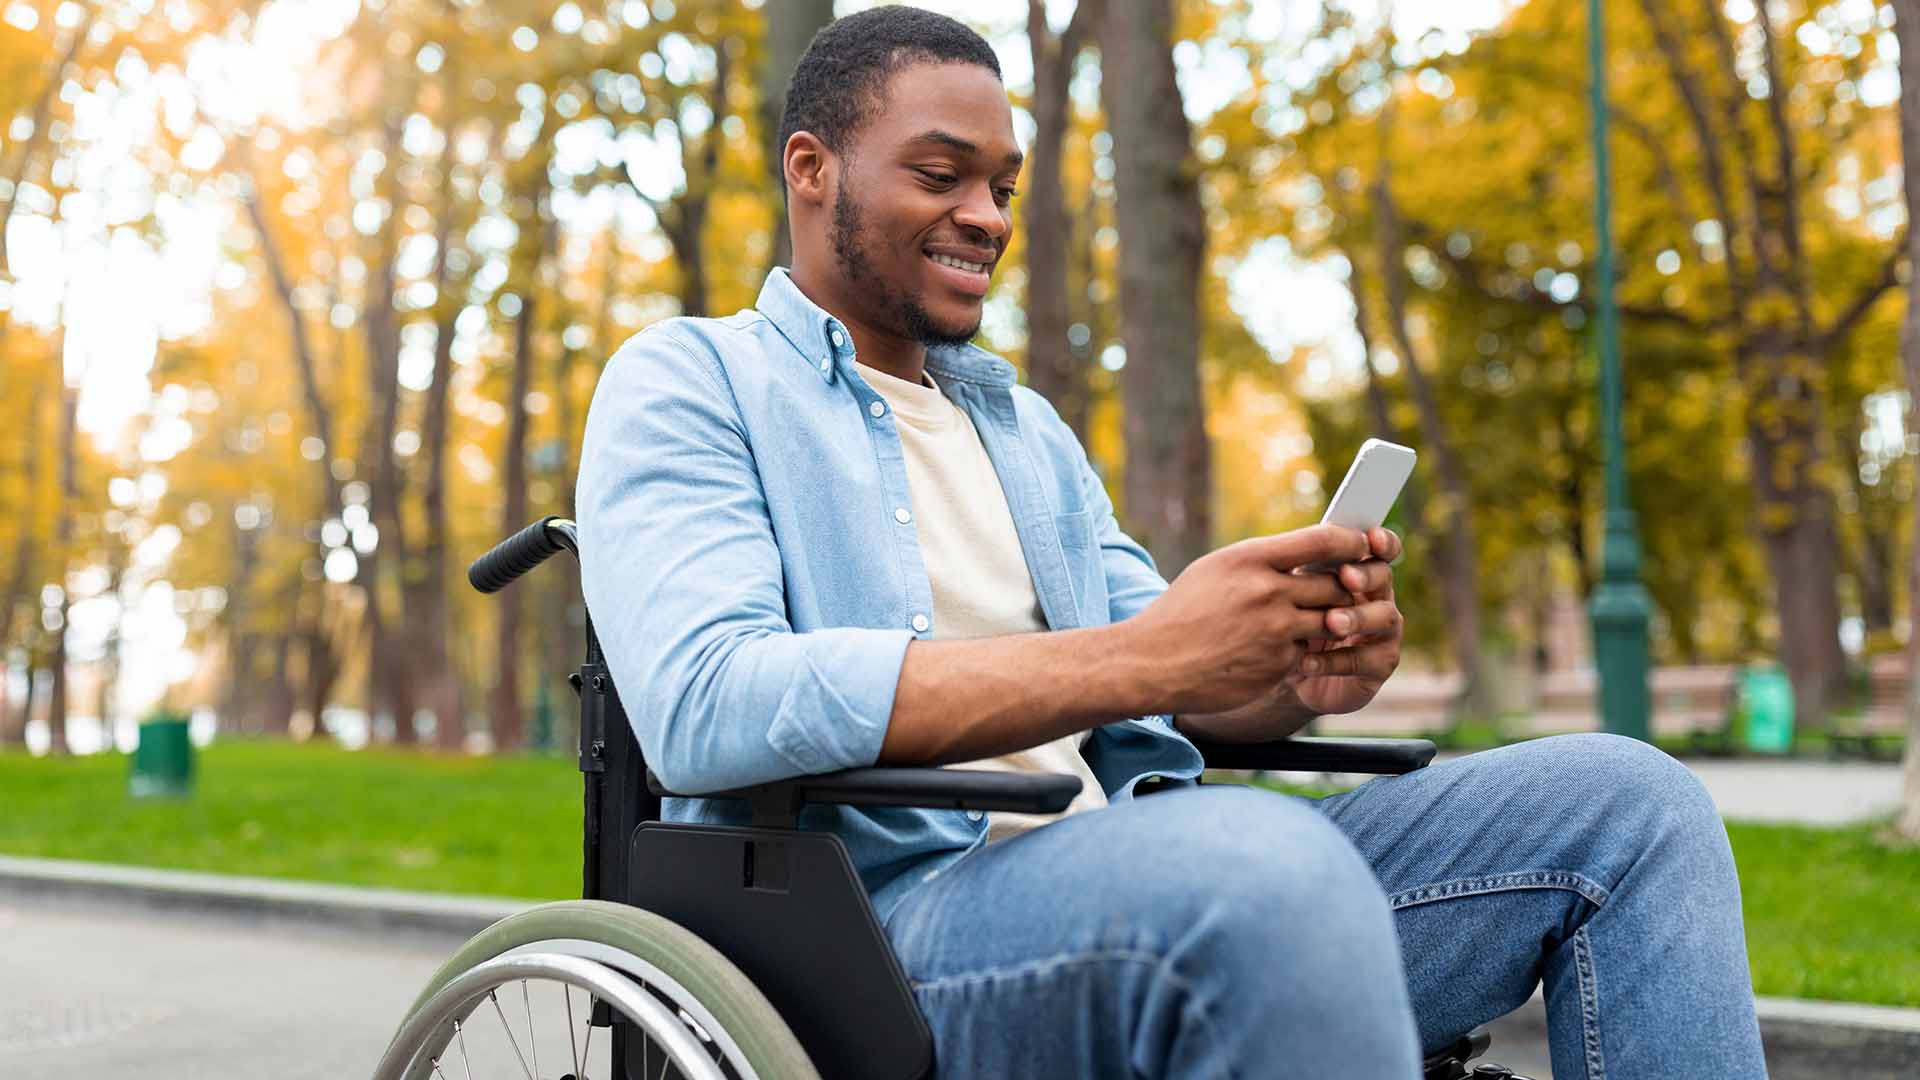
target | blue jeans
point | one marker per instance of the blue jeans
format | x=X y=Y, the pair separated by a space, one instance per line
x=1229 y=932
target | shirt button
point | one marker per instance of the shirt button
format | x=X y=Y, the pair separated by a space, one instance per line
x=877 y=409
x=976 y=815
x=920 y=624
x=825 y=364
x=838 y=340
x=902 y=515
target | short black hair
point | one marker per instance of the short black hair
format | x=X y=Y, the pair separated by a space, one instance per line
x=836 y=87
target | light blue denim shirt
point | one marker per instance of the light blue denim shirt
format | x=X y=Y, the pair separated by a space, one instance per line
x=754 y=591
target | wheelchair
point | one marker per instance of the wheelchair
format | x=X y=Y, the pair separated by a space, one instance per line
x=701 y=952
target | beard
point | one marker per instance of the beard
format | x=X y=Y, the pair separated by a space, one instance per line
x=899 y=311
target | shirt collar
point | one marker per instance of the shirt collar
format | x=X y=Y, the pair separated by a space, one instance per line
x=825 y=345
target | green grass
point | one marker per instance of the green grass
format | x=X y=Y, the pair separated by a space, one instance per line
x=1830 y=912
x=506 y=826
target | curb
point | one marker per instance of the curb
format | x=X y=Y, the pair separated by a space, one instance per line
x=1804 y=1039
x=1872 y=1032
x=337 y=905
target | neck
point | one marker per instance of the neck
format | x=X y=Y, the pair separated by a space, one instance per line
x=901 y=357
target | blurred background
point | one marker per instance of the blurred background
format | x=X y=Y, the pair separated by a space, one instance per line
x=302 y=304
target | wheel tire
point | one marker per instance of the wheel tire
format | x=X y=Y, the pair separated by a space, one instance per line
x=738 y=1007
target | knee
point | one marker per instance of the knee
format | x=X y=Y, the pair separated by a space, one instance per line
x=1636 y=795
x=1627 y=773
x=1251 y=867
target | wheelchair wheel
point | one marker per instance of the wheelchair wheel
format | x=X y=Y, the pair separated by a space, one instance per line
x=517 y=999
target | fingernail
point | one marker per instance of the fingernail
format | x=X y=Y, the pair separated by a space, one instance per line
x=1310 y=665
x=1340 y=620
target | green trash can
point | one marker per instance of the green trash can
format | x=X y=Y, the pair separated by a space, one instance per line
x=1766 y=709
x=163 y=760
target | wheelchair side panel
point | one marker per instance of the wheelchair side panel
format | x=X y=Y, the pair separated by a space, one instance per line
x=788 y=909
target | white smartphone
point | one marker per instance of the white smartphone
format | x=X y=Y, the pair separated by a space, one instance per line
x=1371 y=485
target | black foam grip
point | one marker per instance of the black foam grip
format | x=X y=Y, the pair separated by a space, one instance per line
x=513 y=556
x=1312 y=754
x=964 y=789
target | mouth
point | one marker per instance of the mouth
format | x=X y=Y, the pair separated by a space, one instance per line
x=964 y=275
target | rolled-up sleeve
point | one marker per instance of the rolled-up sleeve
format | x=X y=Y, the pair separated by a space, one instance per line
x=683 y=579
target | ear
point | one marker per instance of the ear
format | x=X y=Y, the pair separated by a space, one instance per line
x=807 y=165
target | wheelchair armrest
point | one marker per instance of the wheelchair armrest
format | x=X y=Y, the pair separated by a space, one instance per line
x=959 y=789
x=1313 y=754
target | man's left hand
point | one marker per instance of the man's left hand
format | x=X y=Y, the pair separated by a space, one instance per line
x=1344 y=674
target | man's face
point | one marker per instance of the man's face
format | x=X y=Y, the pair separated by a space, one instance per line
x=923 y=210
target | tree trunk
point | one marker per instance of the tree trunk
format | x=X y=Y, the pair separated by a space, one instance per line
x=21 y=577
x=1451 y=526
x=790 y=25
x=1872 y=561
x=428 y=606
x=387 y=662
x=1907 y=27
x=1796 y=525
x=237 y=708
x=1054 y=368
x=509 y=720
x=62 y=543
x=1169 y=486
x=321 y=667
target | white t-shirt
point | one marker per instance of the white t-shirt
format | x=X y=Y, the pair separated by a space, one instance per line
x=981 y=587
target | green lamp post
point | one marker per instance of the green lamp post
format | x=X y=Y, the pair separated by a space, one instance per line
x=1620 y=605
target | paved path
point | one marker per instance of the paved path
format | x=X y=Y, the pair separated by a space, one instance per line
x=1795 y=791
x=1811 y=792
x=176 y=976
x=101 y=988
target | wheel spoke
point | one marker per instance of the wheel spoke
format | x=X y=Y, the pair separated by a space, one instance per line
x=578 y=1068
x=588 y=1049
x=465 y=1063
x=533 y=1046
x=511 y=1041
x=436 y=1068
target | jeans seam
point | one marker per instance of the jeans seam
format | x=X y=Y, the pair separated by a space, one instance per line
x=1589 y=1005
x=1196 y=1005
x=1592 y=890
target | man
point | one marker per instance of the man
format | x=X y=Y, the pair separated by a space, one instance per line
x=828 y=532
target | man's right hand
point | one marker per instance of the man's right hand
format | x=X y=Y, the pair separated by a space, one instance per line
x=1237 y=621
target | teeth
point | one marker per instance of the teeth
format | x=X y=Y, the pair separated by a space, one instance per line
x=959 y=264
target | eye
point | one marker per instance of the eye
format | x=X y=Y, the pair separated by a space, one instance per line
x=936 y=177
x=1004 y=195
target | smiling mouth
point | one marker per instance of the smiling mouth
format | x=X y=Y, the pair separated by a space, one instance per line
x=958 y=264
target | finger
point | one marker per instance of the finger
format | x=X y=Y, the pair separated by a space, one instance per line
x=1376 y=661
x=1374 y=619
x=1315 y=591
x=1304 y=547
x=1366 y=578
x=1385 y=544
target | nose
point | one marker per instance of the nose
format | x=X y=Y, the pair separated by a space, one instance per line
x=980 y=216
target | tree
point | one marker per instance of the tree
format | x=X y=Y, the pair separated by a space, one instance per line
x=1755 y=178
x=790 y=26
x=1907 y=26
x=1168 y=487
x=1055 y=367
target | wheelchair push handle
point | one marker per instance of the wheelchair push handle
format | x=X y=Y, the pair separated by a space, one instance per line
x=521 y=552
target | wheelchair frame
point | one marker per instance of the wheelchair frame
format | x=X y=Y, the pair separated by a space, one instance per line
x=785 y=905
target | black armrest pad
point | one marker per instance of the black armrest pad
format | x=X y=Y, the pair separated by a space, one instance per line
x=1310 y=754
x=960 y=789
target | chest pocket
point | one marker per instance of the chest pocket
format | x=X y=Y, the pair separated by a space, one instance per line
x=1084 y=566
